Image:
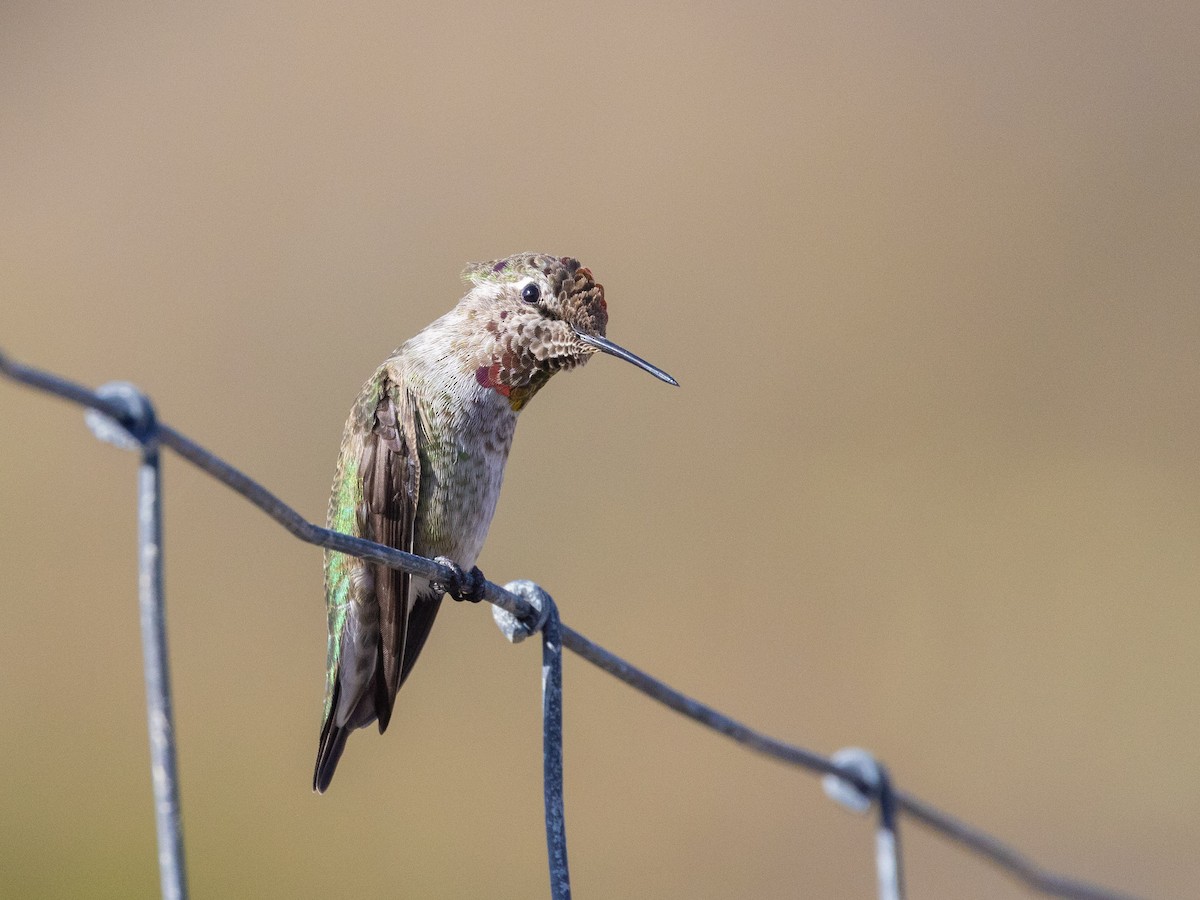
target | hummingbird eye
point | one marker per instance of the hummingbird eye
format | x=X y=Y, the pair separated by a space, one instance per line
x=531 y=293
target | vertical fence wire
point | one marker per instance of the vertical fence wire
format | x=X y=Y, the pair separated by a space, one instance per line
x=552 y=756
x=888 y=862
x=126 y=419
x=516 y=629
x=160 y=719
x=872 y=787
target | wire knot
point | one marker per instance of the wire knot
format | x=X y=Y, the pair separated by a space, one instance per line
x=137 y=427
x=859 y=762
x=875 y=786
x=515 y=628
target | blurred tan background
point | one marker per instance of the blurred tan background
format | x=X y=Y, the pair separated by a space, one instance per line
x=928 y=277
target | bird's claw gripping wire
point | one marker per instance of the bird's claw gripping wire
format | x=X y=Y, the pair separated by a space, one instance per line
x=468 y=586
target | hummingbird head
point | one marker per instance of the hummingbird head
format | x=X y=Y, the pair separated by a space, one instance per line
x=541 y=314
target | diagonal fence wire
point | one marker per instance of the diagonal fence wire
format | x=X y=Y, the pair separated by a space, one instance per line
x=869 y=781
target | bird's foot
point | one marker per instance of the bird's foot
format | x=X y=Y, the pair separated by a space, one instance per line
x=468 y=586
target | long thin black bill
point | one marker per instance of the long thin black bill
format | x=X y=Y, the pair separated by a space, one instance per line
x=621 y=353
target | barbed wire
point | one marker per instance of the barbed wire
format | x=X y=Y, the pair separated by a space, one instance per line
x=121 y=414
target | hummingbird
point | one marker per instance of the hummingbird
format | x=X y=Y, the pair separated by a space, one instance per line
x=421 y=463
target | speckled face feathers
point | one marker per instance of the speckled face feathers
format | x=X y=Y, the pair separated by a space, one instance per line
x=533 y=305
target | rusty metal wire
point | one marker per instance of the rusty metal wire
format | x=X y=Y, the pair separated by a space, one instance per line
x=866 y=779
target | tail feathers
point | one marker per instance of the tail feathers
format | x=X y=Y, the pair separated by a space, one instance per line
x=375 y=702
x=333 y=742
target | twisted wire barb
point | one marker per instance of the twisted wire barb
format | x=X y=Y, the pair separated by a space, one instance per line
x=1005 y=857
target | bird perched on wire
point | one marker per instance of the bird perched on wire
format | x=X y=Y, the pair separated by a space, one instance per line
x=421 y=463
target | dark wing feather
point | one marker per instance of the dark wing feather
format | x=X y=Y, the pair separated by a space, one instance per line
x=391 y=487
